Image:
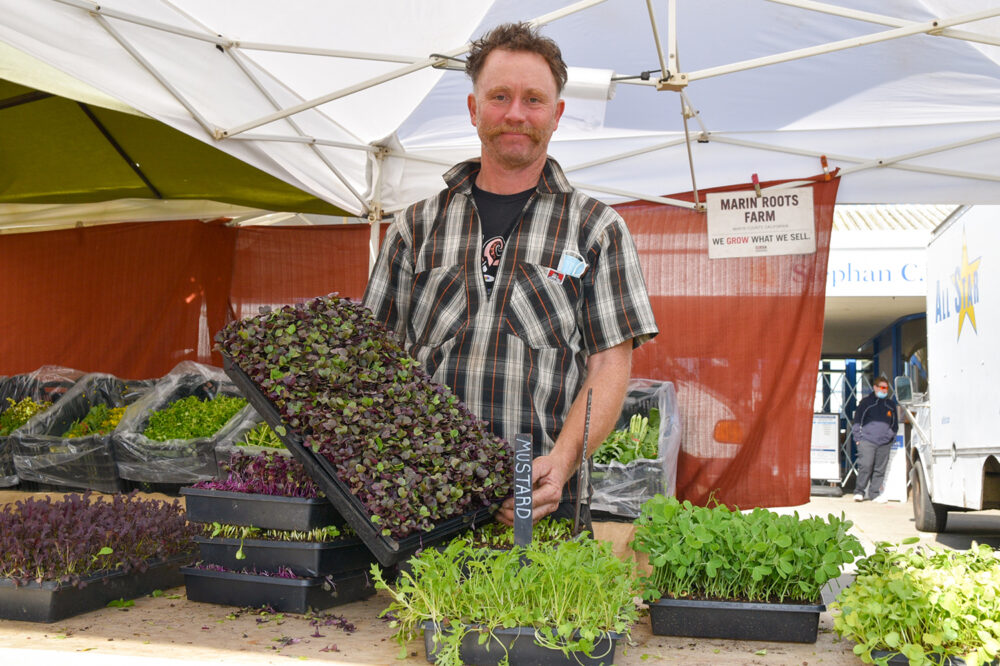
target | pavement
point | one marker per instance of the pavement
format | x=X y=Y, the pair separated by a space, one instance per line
x=170 y=630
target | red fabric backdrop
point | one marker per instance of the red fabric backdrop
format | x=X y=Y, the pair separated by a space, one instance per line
x=740 y=338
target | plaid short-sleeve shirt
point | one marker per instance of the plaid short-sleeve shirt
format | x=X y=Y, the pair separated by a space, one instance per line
x=518 y=357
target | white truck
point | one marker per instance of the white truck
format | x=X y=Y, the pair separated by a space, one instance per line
x=955 y=438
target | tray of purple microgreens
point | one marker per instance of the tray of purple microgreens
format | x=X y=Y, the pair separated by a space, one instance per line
x=401 y=458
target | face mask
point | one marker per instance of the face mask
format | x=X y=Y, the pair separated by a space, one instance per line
x=879 y=393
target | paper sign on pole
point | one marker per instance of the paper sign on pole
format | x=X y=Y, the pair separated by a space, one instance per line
x=742 y=224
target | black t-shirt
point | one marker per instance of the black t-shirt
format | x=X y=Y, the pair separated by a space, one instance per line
x=498 y=215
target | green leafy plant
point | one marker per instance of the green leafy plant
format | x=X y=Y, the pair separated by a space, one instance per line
x=639 y=440
x=100 y=420
x=716 y=553
x=18 y=413
x=500 y=536
x=572 y=594
x=318 y=535
x=190 y=417
x=927 y=604
x=261 y=435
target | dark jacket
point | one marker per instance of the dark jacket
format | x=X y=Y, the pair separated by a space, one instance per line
x=875 y=420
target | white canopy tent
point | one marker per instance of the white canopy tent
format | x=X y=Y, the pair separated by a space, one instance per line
x=359 y=103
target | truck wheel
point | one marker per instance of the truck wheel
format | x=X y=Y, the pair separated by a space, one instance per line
x=927 y=516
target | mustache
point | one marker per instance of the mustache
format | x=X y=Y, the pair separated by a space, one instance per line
x=530 y=132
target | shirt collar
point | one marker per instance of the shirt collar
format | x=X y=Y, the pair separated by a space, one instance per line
x=553 y=181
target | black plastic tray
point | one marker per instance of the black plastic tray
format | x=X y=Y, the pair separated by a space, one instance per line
x=387 y=550
x=51 y=601
x=899 y=659
x=520 y=649
x=303 y=558
x=736 y=620
x=270 y=512
x=287 y=595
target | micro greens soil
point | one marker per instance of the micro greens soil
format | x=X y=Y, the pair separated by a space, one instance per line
x=265 y=474
x=79 y=535
x=16 y=414
x=100 y=420
x=576 y=586
x=640 y=439
x=190 y=418
x=405 y=447
x=924 y=603
x=719 y=554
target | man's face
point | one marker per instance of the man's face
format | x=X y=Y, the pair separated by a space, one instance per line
x=515 y=108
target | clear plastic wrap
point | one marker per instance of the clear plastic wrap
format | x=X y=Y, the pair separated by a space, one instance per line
x=176 y=461
x=619 y=490
x=47 y=384
x=43 y=454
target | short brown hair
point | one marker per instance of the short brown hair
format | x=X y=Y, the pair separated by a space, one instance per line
x=516 y=37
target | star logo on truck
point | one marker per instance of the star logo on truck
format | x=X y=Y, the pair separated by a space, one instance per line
x=966 y=281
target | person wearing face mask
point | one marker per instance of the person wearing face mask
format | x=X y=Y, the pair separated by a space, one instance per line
x=875 y=424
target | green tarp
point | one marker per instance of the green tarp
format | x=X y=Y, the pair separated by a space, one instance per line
x=56 y=150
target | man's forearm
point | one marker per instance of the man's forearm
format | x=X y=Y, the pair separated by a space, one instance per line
x=608 y=373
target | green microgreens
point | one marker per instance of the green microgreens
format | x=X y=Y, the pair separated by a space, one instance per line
x=928 y=604
x=190 y=417
x=569 y=587
x=639 y=440
x=716 y=553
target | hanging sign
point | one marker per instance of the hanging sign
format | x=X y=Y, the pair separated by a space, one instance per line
x=743 y=224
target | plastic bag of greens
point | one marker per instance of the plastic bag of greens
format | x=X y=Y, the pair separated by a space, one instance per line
x=69 y=444
x=169 y=435
x=639 y=458
x=21 y=397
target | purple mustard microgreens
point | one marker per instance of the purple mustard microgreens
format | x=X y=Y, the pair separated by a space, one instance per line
x=79 y=535
x=267 y=473
x=280 y=572
x=406 y=447
x=335 y=621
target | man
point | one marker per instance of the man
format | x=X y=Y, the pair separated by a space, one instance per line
x=875 y=425
x=511 y=287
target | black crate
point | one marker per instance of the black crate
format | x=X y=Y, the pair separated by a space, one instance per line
x=303 y=558
x=736 y=620
x=387 y=550
x=269 y=512
x=51 y=601
x=517 y=645
x=85 y=463
x=287 y=595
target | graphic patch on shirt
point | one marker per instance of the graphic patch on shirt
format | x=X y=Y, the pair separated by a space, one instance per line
x=492 y=252
x=555 y=276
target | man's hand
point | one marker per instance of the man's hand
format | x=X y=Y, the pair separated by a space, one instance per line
x=548 y=476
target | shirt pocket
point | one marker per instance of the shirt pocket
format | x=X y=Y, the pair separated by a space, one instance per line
x=542 y=311
x=438 y=305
